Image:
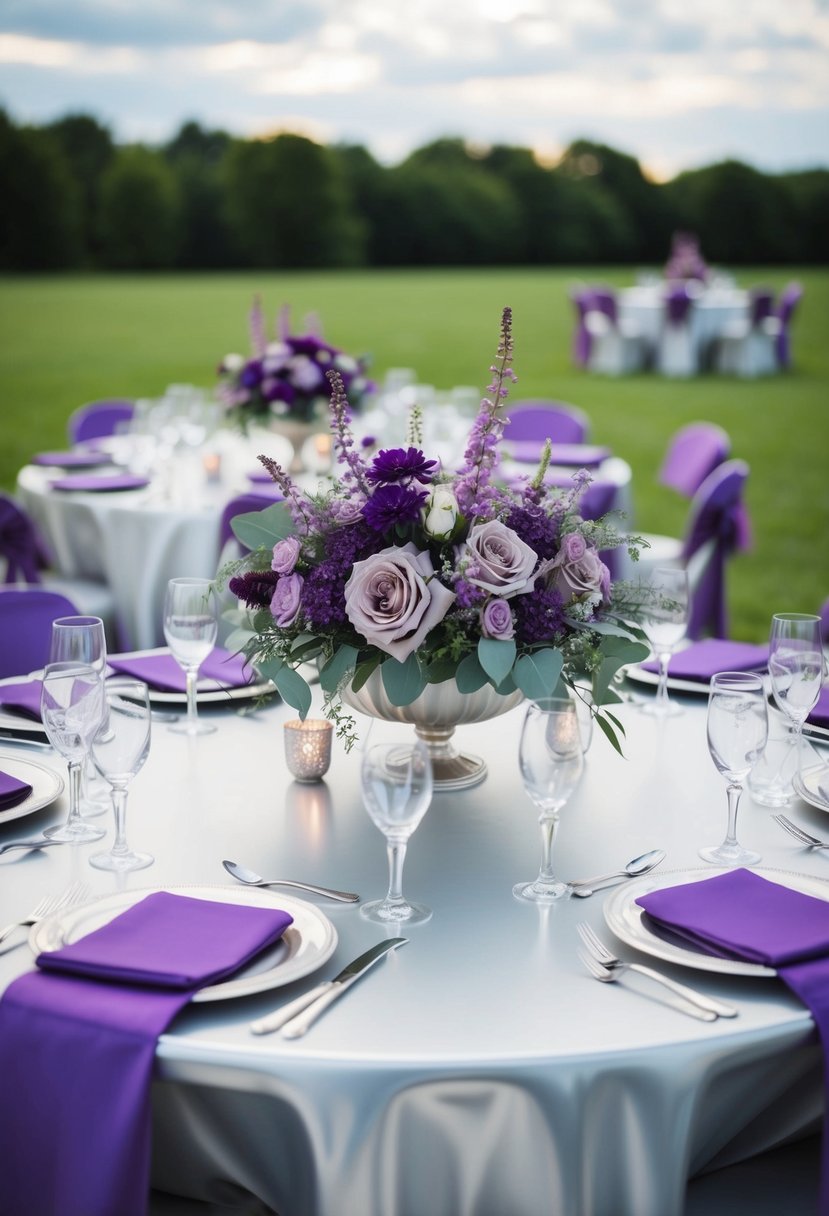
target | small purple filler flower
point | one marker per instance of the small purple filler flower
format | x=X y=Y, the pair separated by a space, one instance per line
x=390 y=505
x=401 y=465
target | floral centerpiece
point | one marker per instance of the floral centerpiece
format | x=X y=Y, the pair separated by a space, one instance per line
x=686 y=261
x=431 y=575
x=286 y=378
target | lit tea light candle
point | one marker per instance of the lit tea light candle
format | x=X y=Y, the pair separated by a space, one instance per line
x=212 y=464
x=308 y=748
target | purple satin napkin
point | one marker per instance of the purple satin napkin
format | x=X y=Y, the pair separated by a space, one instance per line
x=12 y=791
x=89 y=482
x=575 y=455
x=71 y=460
x=820 y=714
x=76 y=1053
x=702 y=660
x=22 y=699
x=740 y=914
x=162 y=672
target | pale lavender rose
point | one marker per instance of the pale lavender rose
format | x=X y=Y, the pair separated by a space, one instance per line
x=285 y=554
x=393 y=599
x=348 y=511
x=577 y=571
x=287 y=596
x=502 y=562
x=496 y=620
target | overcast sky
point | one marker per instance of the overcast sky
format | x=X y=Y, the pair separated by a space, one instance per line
x=677 y=83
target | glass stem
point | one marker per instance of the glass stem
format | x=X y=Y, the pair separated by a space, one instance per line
x=396 y=853
x=548 y=824
x=75 y=770
x=797 y=736
x=734 y=792
x=191 y=676
x=119 y=805
x=662 y=687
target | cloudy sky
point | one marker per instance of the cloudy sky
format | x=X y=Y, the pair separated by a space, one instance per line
x=678 y=83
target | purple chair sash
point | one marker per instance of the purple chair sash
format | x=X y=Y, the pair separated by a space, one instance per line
x=694 y=452
x=24 y=550
x=789 y=300
x=604 y=301
x=677 y=305
x=761 y=307
x=719 y=515
x=26 y=616
x=582 y=340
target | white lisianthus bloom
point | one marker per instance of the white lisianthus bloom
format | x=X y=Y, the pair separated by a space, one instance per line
x=440 y=513
x=233 y=363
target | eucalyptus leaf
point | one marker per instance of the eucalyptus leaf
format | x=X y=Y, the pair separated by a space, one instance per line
x=440 y=670
x=609 y=732
x=470 y=676
x=403 y=682
x=537 y=674
x=496 y=656
x=363 y=671
x=238 y=639
x=293 y=689
x=332 y=674
x=262 y=529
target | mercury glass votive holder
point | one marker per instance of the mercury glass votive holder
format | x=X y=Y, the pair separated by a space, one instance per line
x=308 y=748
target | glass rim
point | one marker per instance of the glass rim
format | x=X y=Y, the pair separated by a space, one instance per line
x=795 y=616
x=544 y=702
x=73 y=622
x=738 y=677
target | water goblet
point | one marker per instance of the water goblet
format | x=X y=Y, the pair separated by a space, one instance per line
x=119 y=749
x=190 y=628
x=71 y=708
x=664 y=618
x=81 y=639
x=796 y=669
x=397 y=790
x=738 y=727
x=551 y=759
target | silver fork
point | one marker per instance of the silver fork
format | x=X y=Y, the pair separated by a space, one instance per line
x=607 y=976
x=612 y=964
x=812 y=842
x=75 y=894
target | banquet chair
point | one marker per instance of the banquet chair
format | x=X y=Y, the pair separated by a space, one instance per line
x=26 y=616
x=693 y=452
x=98 y=419
x=716 y=527
x=25 y=560
x=539 y=419
x=616 y=346
x=746 y=348
x=231 y=548
x=778 y=326
x=580 y=350
x=676 y=354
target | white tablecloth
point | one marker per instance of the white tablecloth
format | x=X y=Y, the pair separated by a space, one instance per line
x=711 y=314
x=479 y=1069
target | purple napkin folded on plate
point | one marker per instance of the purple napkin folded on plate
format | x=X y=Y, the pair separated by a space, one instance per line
x=701 y=660
x=22 y=699
x=77 y=1053
x=820 y=714
x=740 y=914
x=71 y=460
x=90 y=482
x=162 y=672
x=12 y=791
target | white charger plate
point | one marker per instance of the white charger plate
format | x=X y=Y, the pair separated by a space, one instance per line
x=631 y=924
x=651 y=678
x=305 y=945
x=46 y=784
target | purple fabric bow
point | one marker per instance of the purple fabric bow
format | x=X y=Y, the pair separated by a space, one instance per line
x=742 y=915
x=718 y=515
x=677 y=305
x=20 y=545
x=77 y=1045
x=581 y=337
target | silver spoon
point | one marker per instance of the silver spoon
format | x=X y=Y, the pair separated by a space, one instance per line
x=634 y=869
x=252 y=879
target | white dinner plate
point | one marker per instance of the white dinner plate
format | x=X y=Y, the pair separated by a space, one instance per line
x=631 y=924
x=812 y=785
x=304 y=946
x=46 y=784
x=651 y=678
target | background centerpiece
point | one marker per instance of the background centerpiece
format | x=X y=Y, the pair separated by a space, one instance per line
x=431 y=596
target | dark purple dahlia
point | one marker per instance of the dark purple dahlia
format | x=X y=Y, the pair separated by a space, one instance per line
x=401 y=465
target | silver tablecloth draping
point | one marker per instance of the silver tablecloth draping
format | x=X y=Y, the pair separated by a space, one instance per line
x=478 y=1071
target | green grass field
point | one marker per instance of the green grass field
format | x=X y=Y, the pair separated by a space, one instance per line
x=67 y=340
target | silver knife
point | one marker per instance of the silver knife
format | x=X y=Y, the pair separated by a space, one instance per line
x=295 y=1017
x=9 y=736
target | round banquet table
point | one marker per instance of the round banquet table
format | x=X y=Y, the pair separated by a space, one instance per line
x=478 y=1069
x=712 y=312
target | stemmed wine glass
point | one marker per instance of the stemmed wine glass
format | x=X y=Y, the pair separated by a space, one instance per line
x=551 y=758
x=119 y=750
x=664 y=618
x=81 y=639
x=71 y=707
x=738 y=728
x=190 y=628
x=795 y=668
x=397 y=791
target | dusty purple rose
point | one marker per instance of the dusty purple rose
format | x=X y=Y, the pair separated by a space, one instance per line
x=503 y=562
x=393 y=599
x=582 y=575
x=496 y=620
x=574 y=546
x=285 y=553
x=286 y=599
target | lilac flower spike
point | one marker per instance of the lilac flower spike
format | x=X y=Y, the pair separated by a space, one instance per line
x=356 y=477
x=473 y=490
x=258 y=338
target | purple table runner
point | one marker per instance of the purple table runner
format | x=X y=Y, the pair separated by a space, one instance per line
x=701 y=660
x=162 y=672
x=12 y=791
x=740 y=914
x=77 y=1052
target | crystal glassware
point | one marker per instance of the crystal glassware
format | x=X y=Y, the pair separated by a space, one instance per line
x=71 y=707
x=796 y=669
x=397 y=791
x=551 y=758
x=190 y=628
x=664 y=618
x=119 y=750
x=738 y=727
x=81 y=639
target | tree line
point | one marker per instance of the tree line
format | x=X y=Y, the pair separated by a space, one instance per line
x=74 y=199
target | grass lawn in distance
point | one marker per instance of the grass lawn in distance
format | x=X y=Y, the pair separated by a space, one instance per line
x=70 y=339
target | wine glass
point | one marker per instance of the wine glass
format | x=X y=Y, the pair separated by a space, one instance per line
x=664 y=618
x=81 y=639
x=397 y=791
x=119 y=749
x=190 y=627
x=738 y=727
x=551 y=758
x=795 y=668
x=71 y=707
